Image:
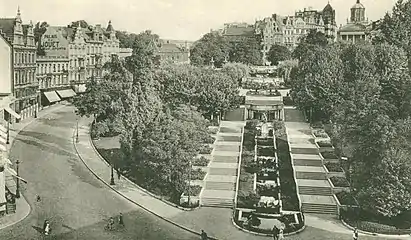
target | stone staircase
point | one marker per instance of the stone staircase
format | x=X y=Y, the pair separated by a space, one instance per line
x=323 y=208
x=220 y=182
x=313 y=187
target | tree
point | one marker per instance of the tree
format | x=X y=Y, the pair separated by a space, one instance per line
x=126 y=39
x=245 y=50
x=210 y=46
x=237 y=71
x=316 y=82
x=285 y=68
x=75 y=24
x=308 y=44
x=278 y=53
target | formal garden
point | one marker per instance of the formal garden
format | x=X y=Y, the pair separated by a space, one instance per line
x=267 y=190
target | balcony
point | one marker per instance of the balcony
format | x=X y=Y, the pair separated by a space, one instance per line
x=82 y=68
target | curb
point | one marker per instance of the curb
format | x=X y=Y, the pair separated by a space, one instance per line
x=265 y=234
x=374 y=234
x=137 y=186
x=115 y=190
x=8 y=152
x=22 y=218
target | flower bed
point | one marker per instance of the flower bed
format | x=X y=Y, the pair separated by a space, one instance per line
x=265 y=151
x=246 y=199
x=320 y=133
x=209 y=139
x=270 y=190
x=329 y=155
x=345 y=198
x=289 y=198
x=333 y=167
x=267 y=175
x=324 y=144
x=201 y=161
x=198 y=174
x=206 y=149
x=267 y=162
x=213 y=130
x=193 y=190
x=339 y=181
x=265 y=142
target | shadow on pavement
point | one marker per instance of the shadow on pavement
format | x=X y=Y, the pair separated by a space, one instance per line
x=38 y=229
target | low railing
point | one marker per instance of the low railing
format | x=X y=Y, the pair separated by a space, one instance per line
x=294 y=173
x=239 y=168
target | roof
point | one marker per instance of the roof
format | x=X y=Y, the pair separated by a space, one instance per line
x=7 y=25
x=358 y=5
x=169 y=48
x=353 y=27
x=328 y=8
x=238 y=31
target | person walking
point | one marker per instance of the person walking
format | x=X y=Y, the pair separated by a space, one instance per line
x=203 y=235
x=120 y=220
x=118 y=173
x=355 y=234
x=281 y=234
x=275 y=232
x=111 y=223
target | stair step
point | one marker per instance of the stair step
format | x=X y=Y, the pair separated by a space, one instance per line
x=307 y=190
x=305 y=162
x=222 y=147
x=227 y=159
x=217 y=202
x=223 y=171
x=219 y=186
x=230 y=130
x=319 y=208
x=230 y=138
x=311 y=175
x=313 y=151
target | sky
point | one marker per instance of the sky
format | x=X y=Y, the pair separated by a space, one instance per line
x=175 y=19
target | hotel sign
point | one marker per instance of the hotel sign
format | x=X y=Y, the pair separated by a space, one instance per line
x=51 y=42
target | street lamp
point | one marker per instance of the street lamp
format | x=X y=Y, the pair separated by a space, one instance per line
x=189 y=182
x=112 y=171
x=8 y=131
x=17 y=180
x=77 y=140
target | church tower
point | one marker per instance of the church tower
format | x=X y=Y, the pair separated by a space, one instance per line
x=358 y=13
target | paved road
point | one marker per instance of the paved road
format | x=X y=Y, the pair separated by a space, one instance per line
x=76 y=203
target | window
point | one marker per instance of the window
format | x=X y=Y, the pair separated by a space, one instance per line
x=58 y=67
x=15 y=78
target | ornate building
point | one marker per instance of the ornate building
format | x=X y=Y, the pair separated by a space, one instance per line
x=24 y=85
x=169 y=51
x=74 y=55
x=288 y=30
x=357 y=26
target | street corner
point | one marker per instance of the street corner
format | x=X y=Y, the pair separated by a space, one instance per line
x=15 y=213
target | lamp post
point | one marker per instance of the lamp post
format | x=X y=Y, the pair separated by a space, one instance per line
x=17 y=180
x=112 y=171
x=189 y=182
x=8 y=131
x=77 y=140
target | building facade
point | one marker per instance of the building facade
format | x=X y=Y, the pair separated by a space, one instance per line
x=24 y=85
x=288 y=30
x=73 y=56
x=172 y=52
x=357 y=27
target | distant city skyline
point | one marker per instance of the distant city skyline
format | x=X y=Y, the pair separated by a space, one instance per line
x=175 y=19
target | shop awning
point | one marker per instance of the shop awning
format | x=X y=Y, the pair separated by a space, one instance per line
x=12 y=112
x=66 y=93
x=52 y=96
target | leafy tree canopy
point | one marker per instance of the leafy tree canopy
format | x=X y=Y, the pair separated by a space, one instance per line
x=278 y=53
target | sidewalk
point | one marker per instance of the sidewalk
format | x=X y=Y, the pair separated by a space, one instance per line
x=215 y=221
x=22 y=207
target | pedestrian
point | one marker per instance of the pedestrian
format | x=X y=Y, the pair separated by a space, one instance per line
x=120 y=220
x=275 y=232
x=38 y=199
x=44 y=225
x=355 y=234
x=118 y=173
x=111 y=223
x=203 y=235
x=281 y=234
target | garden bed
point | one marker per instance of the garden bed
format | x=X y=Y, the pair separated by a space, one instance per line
x=373 y=223
x=289 y=197
x=201 y=161
x=329 y=155
x=333 y=167
x=265 y=141
x=193 y=190
x=198 y=174
x=206 y=149
x=209 y=139
x=324 y=144
x=345 y=198
x=265 y=151
x=320 y=133
x=246 y=197
x=339 y=181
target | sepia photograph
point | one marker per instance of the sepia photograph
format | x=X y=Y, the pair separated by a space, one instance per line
x=205 y=119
